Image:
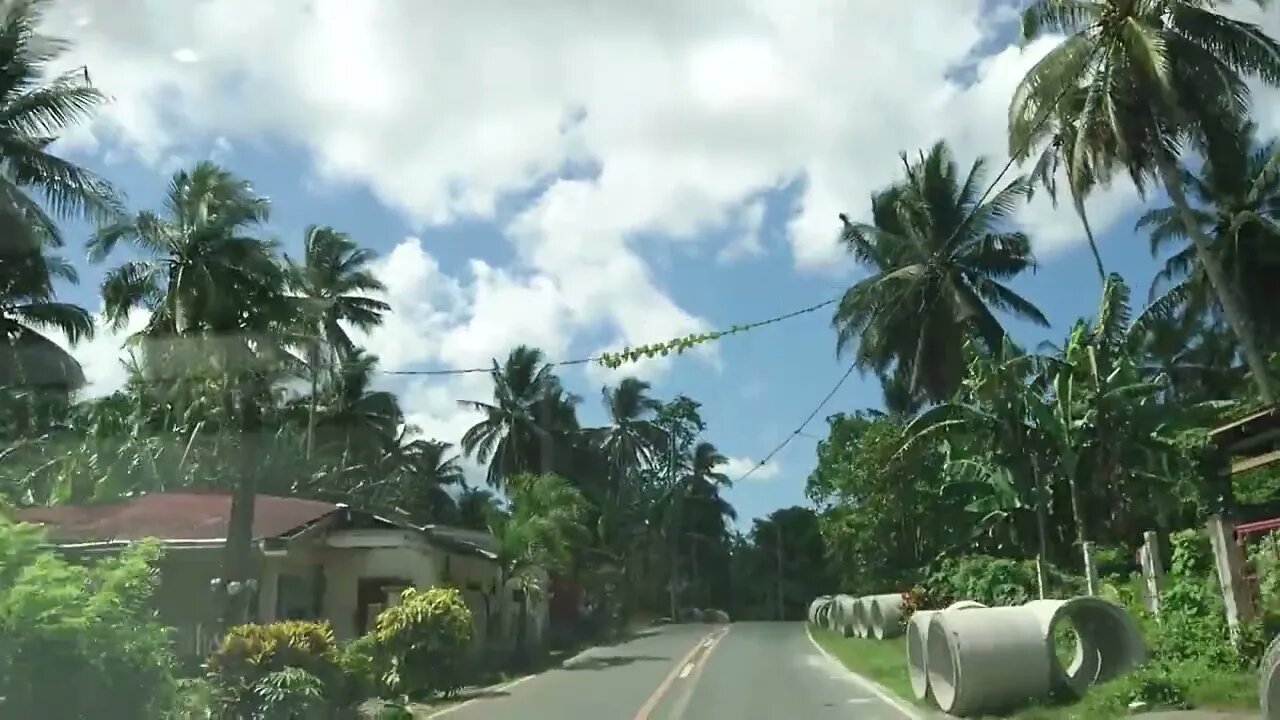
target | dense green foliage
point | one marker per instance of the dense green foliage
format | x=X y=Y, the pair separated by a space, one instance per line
x=247 y=374
x=279 y=670
x=419 y=645
x=990 y=456
x=79 y=641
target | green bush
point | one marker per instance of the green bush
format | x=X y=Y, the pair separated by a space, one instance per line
x=419 y=646
x=80 y=641
x=279 y=670
x=989 y=580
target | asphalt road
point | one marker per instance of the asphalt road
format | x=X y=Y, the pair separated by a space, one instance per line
x=745 y=671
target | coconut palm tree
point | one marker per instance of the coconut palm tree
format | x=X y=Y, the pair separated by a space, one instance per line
x=201 y=265
x=528 y=417
x=937 y=253
x=632 y=438
x=332 y=284
x=475 y=508
x=421 y=473
x=1057 y=139
x=28 y=308
x=37 y=188
x=217 y=308
x=1237 y=204
x=1152 y=76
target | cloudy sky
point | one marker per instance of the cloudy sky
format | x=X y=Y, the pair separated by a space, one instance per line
x=584 y=174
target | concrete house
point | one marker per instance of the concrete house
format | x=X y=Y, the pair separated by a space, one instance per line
x=313 y=560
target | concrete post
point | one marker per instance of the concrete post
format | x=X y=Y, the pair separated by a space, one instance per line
x=1041 y=574
x=1152 y=570
x=1229 y=561
x=1090 y=568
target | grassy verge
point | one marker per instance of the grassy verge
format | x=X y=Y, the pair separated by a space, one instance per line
x=885 y=662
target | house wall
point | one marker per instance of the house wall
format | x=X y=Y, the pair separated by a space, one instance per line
x=184 y=599
x=386 y=554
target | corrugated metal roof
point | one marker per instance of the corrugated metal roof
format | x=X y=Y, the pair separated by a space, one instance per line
x=173 y=516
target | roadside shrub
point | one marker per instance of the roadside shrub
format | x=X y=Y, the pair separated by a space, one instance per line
x=991 y=581
x=360 y=677
x=913 y=600
x=276 y=670
x=419 y=646
x=80 y=641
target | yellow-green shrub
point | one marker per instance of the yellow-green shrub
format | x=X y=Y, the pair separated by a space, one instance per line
x=250 y=663
x=420 y=645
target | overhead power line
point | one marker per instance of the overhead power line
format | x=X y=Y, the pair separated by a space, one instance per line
x=1044 y=117
x=799 y=430
x=628 y=354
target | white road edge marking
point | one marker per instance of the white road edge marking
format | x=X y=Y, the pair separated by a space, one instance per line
x=684 y=671
x=496 y=689
x=870 y=685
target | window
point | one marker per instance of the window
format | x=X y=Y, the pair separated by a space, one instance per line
x=296 y=597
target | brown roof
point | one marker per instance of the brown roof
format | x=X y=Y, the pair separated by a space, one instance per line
x=172 y=516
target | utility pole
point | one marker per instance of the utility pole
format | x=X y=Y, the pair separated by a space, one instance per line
x=777 y=527
x=672 y=529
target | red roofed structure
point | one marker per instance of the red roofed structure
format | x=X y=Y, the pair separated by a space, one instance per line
x=310 y=560
x=173 y=517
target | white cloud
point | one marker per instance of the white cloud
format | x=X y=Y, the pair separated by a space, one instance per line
x=688 y=111
x=103 y=357
x=739 y=466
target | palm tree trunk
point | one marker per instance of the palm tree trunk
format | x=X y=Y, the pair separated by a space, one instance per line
x=1077 y=516
x=1093 y=244
x=238 y=553
x=1042 y=536
x=315 y=400
x=1232 y=308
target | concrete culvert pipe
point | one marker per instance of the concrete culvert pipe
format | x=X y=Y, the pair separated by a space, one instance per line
x=884 y=615
x=986 y=660
x=816 y=606
x=1269 y=681
x=1108 y=642
x=917 y=658
x=826 y=614
x=842 y=614
x=861 y=620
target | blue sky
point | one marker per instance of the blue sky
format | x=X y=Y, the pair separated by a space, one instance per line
x=624 y=177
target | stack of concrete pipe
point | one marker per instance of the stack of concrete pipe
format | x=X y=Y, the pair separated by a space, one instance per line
x=878 y=616
x=982 y=660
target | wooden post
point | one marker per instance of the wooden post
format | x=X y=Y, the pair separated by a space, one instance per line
x=1152 y=570
x=1229 y=561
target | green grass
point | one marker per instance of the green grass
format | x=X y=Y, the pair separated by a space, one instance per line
x=885 y=662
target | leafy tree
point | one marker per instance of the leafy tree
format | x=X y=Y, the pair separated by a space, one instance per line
x=884 y=511
x=787 y=565
x=537 y=533
x=1150 y=77
x=937 y=253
